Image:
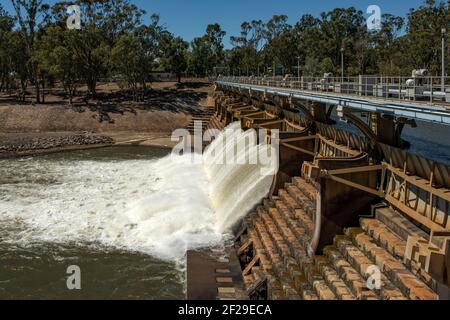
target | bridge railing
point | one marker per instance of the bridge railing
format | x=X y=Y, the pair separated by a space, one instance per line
x=421 y=89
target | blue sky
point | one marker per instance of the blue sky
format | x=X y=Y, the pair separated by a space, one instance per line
x=189 y=18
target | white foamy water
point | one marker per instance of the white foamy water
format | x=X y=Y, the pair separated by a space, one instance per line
x=159 y=207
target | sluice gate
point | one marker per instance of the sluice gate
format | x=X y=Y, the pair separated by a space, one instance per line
x=349 y=216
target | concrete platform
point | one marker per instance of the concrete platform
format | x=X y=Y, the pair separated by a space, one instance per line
x=214 y=275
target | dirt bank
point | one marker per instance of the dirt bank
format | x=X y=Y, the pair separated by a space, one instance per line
x=170 y=106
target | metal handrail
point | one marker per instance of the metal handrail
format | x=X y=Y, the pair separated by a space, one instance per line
x=425 y=89
x=388 y=95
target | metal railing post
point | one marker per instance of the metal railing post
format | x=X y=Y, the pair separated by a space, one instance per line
x=431 y=91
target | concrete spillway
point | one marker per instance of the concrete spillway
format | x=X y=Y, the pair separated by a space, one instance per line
x=160 y=207
x=203 y=196
x=324 y=194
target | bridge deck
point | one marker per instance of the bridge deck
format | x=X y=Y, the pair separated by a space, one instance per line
x=418 y=110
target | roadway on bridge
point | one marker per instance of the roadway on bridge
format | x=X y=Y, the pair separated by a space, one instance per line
x=407 y=109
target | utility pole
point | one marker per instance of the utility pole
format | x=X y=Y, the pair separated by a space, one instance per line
x=443 y=31
x=342 y=65
x=298 y=68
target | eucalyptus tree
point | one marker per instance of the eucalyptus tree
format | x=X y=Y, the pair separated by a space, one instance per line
x=214 y=35
x=31 y=17
x=423 y=40
x=175 y=54
x=280 y=43
x=103 y=22
x=207 y=51
x=135 y=55
x=6 y=70
x=201 y=59
x=129 y=60
x=57 y=57
x=248 y=46
x=388 y=48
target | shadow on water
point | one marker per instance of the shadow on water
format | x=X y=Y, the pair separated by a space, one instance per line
x=40 y=272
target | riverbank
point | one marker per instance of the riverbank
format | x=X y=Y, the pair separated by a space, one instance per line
x=28 y=129
x=22 y=144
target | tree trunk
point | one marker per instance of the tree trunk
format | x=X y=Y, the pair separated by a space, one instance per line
x=43 y=91
x=23 y=87
x=38 y=91
x=92 y=86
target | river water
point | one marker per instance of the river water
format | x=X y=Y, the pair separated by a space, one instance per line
x=125 y=216
x=66 y=209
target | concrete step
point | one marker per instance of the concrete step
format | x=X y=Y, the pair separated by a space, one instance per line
x=323 y=291
x=305 y=187
x=260 y=252
x=298 y=227
x=269 y=246
x=400 y=225
x=317 y=282
x=280 y=244
x=303 y=201
x=349 y=275
x=309 y=295
x=412 y=287
x=285 y=231
x=332 y=279
x=286 y=245
x=363 y=265
x=304 y=220
x=384 y=237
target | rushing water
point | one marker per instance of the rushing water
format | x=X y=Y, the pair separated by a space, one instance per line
x=125 y=215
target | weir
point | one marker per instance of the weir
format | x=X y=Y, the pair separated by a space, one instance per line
x=342 y=209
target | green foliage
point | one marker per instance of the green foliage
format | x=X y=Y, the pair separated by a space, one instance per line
x=315 y=43
x=37 y=48
x=6 y=67
x=175 y=55
x=207 y=52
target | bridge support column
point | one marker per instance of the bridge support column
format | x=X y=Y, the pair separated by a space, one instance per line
x=319 y=112
x=388 y=129
x=385 y=129
x=342 y=204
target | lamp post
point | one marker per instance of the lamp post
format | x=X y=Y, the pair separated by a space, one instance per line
x=298 y=68
x=342 y=65
x=443 y=31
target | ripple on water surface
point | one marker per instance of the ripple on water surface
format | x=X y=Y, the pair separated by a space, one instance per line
x=54 y=208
